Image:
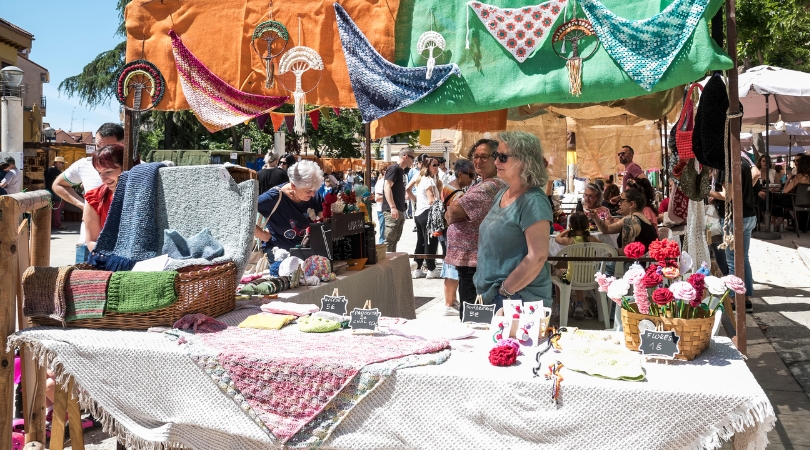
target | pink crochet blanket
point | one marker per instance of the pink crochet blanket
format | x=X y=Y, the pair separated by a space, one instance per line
x=288 y=378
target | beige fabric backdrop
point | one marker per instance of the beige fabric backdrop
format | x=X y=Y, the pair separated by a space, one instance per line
x=598 y=143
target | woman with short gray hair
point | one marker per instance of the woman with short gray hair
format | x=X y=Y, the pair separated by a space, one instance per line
x=286 y=207
x=513 y=241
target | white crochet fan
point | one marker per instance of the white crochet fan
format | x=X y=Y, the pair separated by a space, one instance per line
x=430 y=41
x=298 y=60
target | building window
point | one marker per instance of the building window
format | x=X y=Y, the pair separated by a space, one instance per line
x=43 y=77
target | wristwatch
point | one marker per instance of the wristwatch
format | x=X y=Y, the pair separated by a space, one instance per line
x=504 y=292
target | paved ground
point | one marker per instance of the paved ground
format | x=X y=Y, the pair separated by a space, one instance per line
x=778 y=331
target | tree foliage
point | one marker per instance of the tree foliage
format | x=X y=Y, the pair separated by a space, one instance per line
x=95 y=85
x=774 y=32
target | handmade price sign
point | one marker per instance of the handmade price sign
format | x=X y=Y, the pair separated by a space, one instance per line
x=477 y=313
x=364 y=319
x=662 y=344
x=335 y=305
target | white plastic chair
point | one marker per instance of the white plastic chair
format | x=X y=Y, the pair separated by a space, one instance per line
x=664 y=233
x=582 y=277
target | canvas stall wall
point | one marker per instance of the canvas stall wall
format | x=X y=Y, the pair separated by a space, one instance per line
x=598 y=142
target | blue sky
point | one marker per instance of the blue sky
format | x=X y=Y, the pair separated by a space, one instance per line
x=67 y=36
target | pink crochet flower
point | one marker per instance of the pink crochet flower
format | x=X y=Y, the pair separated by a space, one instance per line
x=641 y=298
x=734 y=283
x=634 y=274
x=603 y=281
x=682 y=290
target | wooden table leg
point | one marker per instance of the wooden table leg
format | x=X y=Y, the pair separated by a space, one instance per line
x=60 y=400
x=74 y=419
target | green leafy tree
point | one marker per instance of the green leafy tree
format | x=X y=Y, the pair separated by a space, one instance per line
x=338 y=136
x=774 y=32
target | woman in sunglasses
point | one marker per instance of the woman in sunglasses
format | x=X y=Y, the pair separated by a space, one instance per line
x=513 y=241
x=634 y=225
x=286 y=208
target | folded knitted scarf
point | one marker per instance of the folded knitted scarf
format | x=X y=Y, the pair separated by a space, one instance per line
x=201 y=245
x=44 y=292
x=134 y=292
x=86 y=294
x=130 y=233
x=267 y=321
x=289 y=308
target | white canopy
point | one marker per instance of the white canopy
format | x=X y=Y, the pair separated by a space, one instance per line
x=789 y=98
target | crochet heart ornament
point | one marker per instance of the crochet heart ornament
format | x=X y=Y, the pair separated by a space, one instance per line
x=519 y=30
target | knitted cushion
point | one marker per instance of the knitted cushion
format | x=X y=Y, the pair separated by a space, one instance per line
x=317 y=325
x=86 y=294
x=132 y=292
x=266 y=321
x=44 y=291
x=318 y=266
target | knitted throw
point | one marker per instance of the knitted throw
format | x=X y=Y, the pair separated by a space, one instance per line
x=645 y=48
x=86 y=294
x=380 y=86
x=288 y=378
x=135 y=292
x=131 y=221
x=44 y=291
x=519 y=30
x=216 y=104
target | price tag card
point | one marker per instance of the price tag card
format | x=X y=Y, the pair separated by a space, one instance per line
x=661 y=344
x=477 y=313
x=334 y=304
x=364 y=319
x=234 y=155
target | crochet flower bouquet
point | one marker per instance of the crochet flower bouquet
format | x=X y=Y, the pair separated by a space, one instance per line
x=674 y=290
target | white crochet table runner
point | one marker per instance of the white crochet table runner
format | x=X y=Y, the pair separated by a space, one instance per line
x=158 y=398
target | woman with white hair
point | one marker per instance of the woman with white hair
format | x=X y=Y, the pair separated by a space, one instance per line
x=513 y=240
x=286 y=208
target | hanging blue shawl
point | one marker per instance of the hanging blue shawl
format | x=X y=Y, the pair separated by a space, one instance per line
x=380 y=86
x=130 y=233
x=645 y=48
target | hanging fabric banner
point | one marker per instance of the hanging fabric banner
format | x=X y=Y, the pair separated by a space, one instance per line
x=261 y=121
x=314 y=117
x=277 y=121
x=382 y=87
x=645 y=48
x=519 y=30
x=424 y=138
x=216 y=104
x=336 y=111
x=290 y=121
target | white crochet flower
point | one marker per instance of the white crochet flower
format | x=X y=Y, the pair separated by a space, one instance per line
x=618 y=289
x=634 y=274
x=715 y=285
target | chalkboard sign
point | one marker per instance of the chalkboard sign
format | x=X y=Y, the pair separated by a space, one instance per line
x=659 y=343
x=477 y=313
x=335 y=305
x=364 y=319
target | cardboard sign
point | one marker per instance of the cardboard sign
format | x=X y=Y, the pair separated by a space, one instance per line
x=477 y=313
x=247 y=143
x=364 y=319
x=89 y=149
x=662 y=344
x=334 y=303
x=234 y=155
x=532 y=326
x=512 y=308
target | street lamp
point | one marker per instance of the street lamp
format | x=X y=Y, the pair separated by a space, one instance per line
x=11 y=110
x=50 y=134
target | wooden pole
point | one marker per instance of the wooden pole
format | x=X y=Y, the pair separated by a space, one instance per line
x=736 y=181
x=368 y=158
x=129 y=142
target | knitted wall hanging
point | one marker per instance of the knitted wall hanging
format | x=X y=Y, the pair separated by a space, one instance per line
x=135 y=79
x=430 y=41
x=216 y=104
x=519 y=30
x=382 y=87
x=298 y=60
x=645 y=48
x=270 y=32
x=570 y=33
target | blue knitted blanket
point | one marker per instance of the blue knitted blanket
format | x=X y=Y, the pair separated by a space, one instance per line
x=130 y=233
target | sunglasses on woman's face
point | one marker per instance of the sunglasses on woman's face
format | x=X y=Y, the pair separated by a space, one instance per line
x=502 y=157
x=434 y=165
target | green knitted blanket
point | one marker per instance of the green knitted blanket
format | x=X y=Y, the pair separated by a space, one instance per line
x=134 y=292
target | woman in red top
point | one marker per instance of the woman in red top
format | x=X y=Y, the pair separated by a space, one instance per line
x=109 y=162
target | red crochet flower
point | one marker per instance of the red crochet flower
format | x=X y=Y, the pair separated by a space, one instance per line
x=528 y=25
x=502 y=356
x=652 y=278
x=665 y=251
x=521 y=52
x=662 y=297
x=511 y=43
x=634 y=250
x=697 y=280
x=538 y=33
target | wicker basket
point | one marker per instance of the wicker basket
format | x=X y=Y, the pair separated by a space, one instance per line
x=210 y=290
x=695 y=334
x=240 y=174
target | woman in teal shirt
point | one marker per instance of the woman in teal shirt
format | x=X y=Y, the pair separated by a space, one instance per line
x=513 y=239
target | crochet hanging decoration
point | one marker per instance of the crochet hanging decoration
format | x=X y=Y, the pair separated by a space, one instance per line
x=645 y=48
x=135 y=79
x=380 y=86
x=298 y=60
x=216 y=104
x=269 y=31
x=430 y=41
x=573 y=32
x=519 y=30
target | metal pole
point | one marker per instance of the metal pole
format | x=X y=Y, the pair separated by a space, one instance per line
x=736 y=169
x=129 y=141
x=368 y=158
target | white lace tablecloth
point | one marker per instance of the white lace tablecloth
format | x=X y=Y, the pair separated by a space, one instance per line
x=610 y=239
x=158 y=398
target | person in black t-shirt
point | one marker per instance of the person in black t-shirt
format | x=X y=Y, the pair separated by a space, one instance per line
x=272 y=175
x=394 y=194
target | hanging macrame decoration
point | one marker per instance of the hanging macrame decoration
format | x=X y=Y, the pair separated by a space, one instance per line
x=137 y=78
x=571 y=34
x=270 y=32
x=519 y=30
x=298 y=60
x=216 y=104
x=430 y=41
x=380 y=86
x=645 y=48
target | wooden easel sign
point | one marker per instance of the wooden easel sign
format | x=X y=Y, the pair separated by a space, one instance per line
x=334 y=303
x=365 y=318
x=477 y=312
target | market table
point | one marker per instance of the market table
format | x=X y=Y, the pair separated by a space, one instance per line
x=149 y=388
x=387 y=284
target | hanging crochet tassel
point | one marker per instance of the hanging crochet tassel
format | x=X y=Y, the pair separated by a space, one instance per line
x=300 y=113
x=430 y=64
x=269 y=80
x=574 y=66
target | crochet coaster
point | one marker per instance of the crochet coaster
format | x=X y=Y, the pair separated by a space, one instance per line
x=134 y=292
x=86 y=294
x=317 y=325
x=44 y=292
x=266 y=321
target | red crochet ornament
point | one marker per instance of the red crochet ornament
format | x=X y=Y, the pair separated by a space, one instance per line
x=652 y=278
x=634 y=250
x=328 y=199
x=665 y=251
x=502 y=356
x=662 y=297
x=697 y=280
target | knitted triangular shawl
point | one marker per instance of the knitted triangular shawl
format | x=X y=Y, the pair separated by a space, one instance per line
x=130 y=233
